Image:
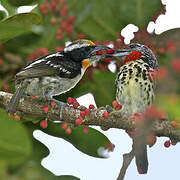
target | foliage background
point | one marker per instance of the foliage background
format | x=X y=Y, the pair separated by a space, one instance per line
x=46 y=29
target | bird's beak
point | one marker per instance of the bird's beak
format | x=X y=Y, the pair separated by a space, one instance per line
x=98 y=48
x=120 y=52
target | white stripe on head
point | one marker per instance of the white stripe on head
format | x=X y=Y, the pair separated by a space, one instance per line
x=54 y=55
x=74 y=46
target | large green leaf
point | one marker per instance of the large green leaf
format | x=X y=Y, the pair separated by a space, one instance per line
x=18 y=3
x=34 y=171
x=82 y=141
x=18 y=24
x=15 y=145
x=102 y=19
x=11 y=9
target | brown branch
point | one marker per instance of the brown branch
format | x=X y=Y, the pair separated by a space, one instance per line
x=127 y=158
x=34 y=108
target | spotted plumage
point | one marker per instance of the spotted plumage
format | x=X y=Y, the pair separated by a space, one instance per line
x=135 y=91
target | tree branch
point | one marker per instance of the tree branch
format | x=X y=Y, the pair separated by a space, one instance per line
x=127 y=158
x=34 y=108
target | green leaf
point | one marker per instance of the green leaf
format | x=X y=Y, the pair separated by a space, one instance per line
x=169 y=103
x=18 y=3
x=103 y=19
x=2 y=15
x=32 y=170
x=82 y=141
x=11 y=10
x=15 y=145
x=18 y=24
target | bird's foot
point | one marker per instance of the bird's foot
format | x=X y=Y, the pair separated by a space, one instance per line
x=60 y=104
x=109 y=108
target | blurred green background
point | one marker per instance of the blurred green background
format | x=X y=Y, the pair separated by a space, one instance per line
x=25 y=37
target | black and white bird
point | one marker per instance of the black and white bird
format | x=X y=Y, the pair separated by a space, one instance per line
x=56 y=73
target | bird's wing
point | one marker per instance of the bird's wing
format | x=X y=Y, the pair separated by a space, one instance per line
x=50 y=65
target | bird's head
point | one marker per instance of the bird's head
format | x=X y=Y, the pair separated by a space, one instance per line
x=137 y=51
x=86 y=52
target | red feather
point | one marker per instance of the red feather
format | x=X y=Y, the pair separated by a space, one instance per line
x=134 y=55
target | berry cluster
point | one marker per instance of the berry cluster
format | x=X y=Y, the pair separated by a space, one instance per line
x=37 y=53
x=60 y=17
x=116 y=105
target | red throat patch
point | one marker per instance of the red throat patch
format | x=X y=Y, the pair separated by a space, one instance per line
x=134 y=55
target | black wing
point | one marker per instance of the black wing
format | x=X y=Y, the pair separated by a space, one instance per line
x=51 y=65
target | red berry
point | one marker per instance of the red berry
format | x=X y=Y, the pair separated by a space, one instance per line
x=173 y=143
x=174 y=124
x=78 y=121
x=69 y=29
x=17 y=118
x=70 y=100
x=59 y=32
x=11 y=115
x=59 y=48
x=87 y=111
x=91 y=106
x=42 y=51
x=110 y=51
x=114 y=104
x=171 y=46
x=162 y=73
x=43 y=124
x=5 y=87
x=71 y=19
x=53 y=4
x=105 y=114
x=45 y=109
x=119 y=106
x=80 y=36
x=100 y=52
x=63 y=11
x=82 y=113
x=161 y=50
x=75 y=104
x=53 y=21
x=32 y=97
x=175 y=64
x=58 y=37
x=64 y=25
x=68 y=131
x=167 y=144
x=64 y=126
x=53 y=103
x=85 y=129
x=130 y=133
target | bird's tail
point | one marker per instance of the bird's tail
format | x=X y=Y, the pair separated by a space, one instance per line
x=140 y=152
x=12 y=106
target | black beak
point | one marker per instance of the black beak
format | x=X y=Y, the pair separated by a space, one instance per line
x=99 y=48
x=120 y=52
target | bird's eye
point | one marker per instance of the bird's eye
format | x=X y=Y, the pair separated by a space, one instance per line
x=132 y=46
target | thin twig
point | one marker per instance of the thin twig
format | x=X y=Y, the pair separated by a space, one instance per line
x=127 y=158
